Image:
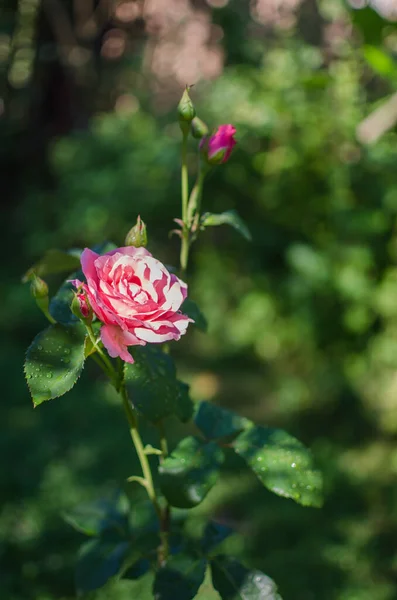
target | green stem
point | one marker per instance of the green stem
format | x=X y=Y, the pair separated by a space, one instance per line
x=194 y=204
x=143 y=459
x=185 y=199
x=163 y=440
x=184 y=176
x=109 y=369
x=192 y=218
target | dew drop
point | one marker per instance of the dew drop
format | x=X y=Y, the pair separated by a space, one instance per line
x=49 y=375
x=293 y=465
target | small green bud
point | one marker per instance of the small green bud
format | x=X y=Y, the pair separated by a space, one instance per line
x=80 y=307
x=137 y=235
x=39 y=288
x=199 y=128
x=186 y=110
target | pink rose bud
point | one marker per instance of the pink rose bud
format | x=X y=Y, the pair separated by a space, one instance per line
x=81 y=308
x=135 y=297
x=137 y=235
x=218 y=147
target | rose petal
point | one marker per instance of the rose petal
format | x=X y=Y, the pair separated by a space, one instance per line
x=116 y=341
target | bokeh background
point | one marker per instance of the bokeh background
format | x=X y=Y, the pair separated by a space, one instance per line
x=303 y=321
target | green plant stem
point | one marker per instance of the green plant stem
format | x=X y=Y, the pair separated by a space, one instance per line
x=143 y=459
x=185 y=199
x=191 y=223
x=194 y=204
x=107 y=365
x=163 y=440
x=184 y=176
x=166 y=513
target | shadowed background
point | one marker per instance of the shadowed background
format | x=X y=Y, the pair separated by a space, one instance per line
x=303 y=321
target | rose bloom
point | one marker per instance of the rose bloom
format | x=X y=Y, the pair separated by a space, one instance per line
x=218 y=147
x=135 y=297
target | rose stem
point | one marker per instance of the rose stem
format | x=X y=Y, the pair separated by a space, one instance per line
x=185 y=199
x=166 y=515
x=132 y=421
x=143 y=459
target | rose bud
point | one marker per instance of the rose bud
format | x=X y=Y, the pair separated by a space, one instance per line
x=81 y=308
x=199 y=128
x=186 y=110
x=137 y=235
x=39 y=288
x=135 y=297
x=217 y=148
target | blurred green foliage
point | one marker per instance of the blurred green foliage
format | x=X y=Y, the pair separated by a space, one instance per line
x=302 y=322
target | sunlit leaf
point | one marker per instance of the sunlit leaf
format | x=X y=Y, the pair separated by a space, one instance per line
x=281 y=463
x=233 y=581
x=54 y=361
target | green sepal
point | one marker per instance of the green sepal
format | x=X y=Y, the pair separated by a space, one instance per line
x=153 y=387
x=282 y=464
x=180 y=578
x=233 y=581
x=229 y=217
x=54 y=361
x=191 y=470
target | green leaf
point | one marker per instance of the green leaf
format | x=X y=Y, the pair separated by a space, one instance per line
x=233 y=581
x=215 y=422
x=61 y=301
x=381 y=62
x=191 y=309
x=281 y=463
x=230 y=217
x=98 y=561
x=184 y=408
x=55 y=261
x=106 y=514
x=188 y=474
x=54 y=361
x=180 y=579
x=214 y=534
x=153 y=387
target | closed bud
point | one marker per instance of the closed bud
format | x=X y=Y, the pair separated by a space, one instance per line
x=81 y=308
x=39 y=288
x=218 y=147
x=137 y=235
x=199 y=128
x=186 y=110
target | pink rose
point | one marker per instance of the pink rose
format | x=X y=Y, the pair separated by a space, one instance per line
x=135 y=297
x=218 y=147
